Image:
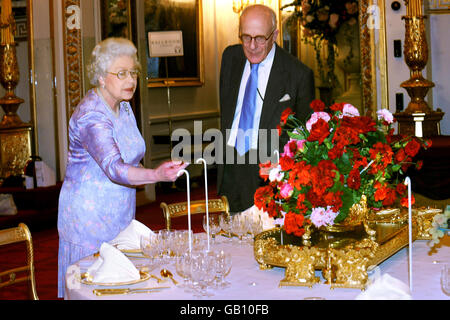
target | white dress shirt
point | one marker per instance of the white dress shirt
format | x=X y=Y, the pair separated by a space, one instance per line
x=263 y=76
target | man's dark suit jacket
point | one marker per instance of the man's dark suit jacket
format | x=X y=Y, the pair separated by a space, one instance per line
x=287 y=76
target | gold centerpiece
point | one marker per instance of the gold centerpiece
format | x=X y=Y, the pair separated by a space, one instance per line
x=335 y=170
x=345 y=258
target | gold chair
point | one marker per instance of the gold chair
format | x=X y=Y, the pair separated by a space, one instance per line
x=14 y=235
x=179 y=209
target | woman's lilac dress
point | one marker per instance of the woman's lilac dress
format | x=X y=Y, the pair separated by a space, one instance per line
x=96 y=201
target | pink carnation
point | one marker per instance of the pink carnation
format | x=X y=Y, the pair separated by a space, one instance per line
x=386 y=115
x=322 y=217
x=286 y=190
x=316 y=116
x=349 y=111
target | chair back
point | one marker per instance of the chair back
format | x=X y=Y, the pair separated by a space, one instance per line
x=10 y=276
x=179 y=209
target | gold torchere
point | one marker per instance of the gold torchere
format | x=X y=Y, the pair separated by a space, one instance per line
x=418 y=119
x=15 y=135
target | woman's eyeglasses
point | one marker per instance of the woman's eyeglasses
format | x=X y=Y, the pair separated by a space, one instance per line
x=123 y=74
x=247 y=39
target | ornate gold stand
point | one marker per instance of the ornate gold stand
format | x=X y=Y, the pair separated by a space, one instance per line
x=15 y=135
x=418 y=118
x=343 y=257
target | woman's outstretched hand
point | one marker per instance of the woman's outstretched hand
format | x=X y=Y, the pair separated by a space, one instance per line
x=168 y=171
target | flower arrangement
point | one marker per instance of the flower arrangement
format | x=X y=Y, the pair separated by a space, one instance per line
x=330 y=162
x=321 y=20
x=439 y=226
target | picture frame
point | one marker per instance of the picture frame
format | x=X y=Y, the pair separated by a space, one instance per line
x=184 y=16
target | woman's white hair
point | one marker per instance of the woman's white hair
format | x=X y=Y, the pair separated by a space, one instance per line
x=104 y=54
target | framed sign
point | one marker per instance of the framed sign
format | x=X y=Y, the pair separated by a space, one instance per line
x=165 y=44
x=176 y=22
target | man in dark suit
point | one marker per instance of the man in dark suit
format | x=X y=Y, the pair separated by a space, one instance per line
x=282 y=81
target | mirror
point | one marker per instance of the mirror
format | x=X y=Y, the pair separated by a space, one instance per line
x=371 y=82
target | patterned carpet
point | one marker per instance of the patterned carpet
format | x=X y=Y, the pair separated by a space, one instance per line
x=45 y=242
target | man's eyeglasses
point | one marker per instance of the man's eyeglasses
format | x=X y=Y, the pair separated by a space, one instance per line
x=123 y=74
x=247 y=39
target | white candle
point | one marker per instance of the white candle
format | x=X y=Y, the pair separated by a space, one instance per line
x=206 y=195
x=188 y=206
x=277 y=154
x=408 y=183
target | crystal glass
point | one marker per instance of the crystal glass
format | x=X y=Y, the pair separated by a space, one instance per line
x=223 y=267
x=239 y=226
x=183 y=269
x=226 y=225
x=214 y=225
x=202 y=271
x=151 y=248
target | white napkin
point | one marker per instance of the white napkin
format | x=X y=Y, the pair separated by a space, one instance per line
x=386 y=287
x=268 y=222
x=112 y=266
x=130 y=237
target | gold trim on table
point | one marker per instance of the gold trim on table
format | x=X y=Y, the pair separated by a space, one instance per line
x=343 y=257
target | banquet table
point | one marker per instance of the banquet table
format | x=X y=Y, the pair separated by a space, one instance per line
x=249 y=282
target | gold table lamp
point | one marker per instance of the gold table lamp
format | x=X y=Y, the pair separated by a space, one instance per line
x=15 y=135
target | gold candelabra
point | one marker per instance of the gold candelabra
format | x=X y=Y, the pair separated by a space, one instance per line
x=15 y=135
x=418 y=118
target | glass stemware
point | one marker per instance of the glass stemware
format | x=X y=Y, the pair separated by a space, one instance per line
x=226 y=225
x=214 y=225
x=223 y=268
x=239 y=226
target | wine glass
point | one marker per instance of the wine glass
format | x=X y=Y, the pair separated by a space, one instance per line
x=239 y=226
x=214 y=226
x=225 y=223
x=223 y=268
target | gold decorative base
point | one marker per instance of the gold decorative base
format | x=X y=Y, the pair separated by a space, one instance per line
x=419 y=124
x=15 y=149
x=343 y=257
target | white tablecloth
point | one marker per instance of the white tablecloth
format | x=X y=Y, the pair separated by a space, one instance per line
x=248 y=282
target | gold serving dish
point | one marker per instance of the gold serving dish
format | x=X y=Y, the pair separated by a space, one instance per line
x=343 y=256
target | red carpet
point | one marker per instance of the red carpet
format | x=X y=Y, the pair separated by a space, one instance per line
x=45 y=243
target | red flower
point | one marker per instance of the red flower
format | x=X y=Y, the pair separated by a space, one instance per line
x=400 y=156
x=337 y=106
x=404 y=201
x=286 y=113
x=401 y=188
x=419 y=164
x=293 y=223
x=263 y=196
x=286 y=163
x=264 y=169
x=412 y=148
x=319 y=131
x=354 y=179
x=317 y=105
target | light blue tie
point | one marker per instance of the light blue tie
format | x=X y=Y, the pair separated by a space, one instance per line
x=247 y=112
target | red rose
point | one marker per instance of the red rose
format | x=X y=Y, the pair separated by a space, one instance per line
x=337 y=106
x=286 y=113
x=400 y=156
x=263 y=195
x=419 y=165
x=317 y=105
x=412 y=148
x=319 y=131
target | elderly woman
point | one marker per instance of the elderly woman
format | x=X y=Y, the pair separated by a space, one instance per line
x=97 y=199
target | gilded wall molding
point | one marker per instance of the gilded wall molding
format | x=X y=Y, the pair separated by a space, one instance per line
x=73 y=54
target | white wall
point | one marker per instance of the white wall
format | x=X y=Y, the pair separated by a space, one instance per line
x=439 y=45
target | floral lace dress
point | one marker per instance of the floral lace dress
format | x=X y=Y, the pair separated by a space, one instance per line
x=96 y=202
